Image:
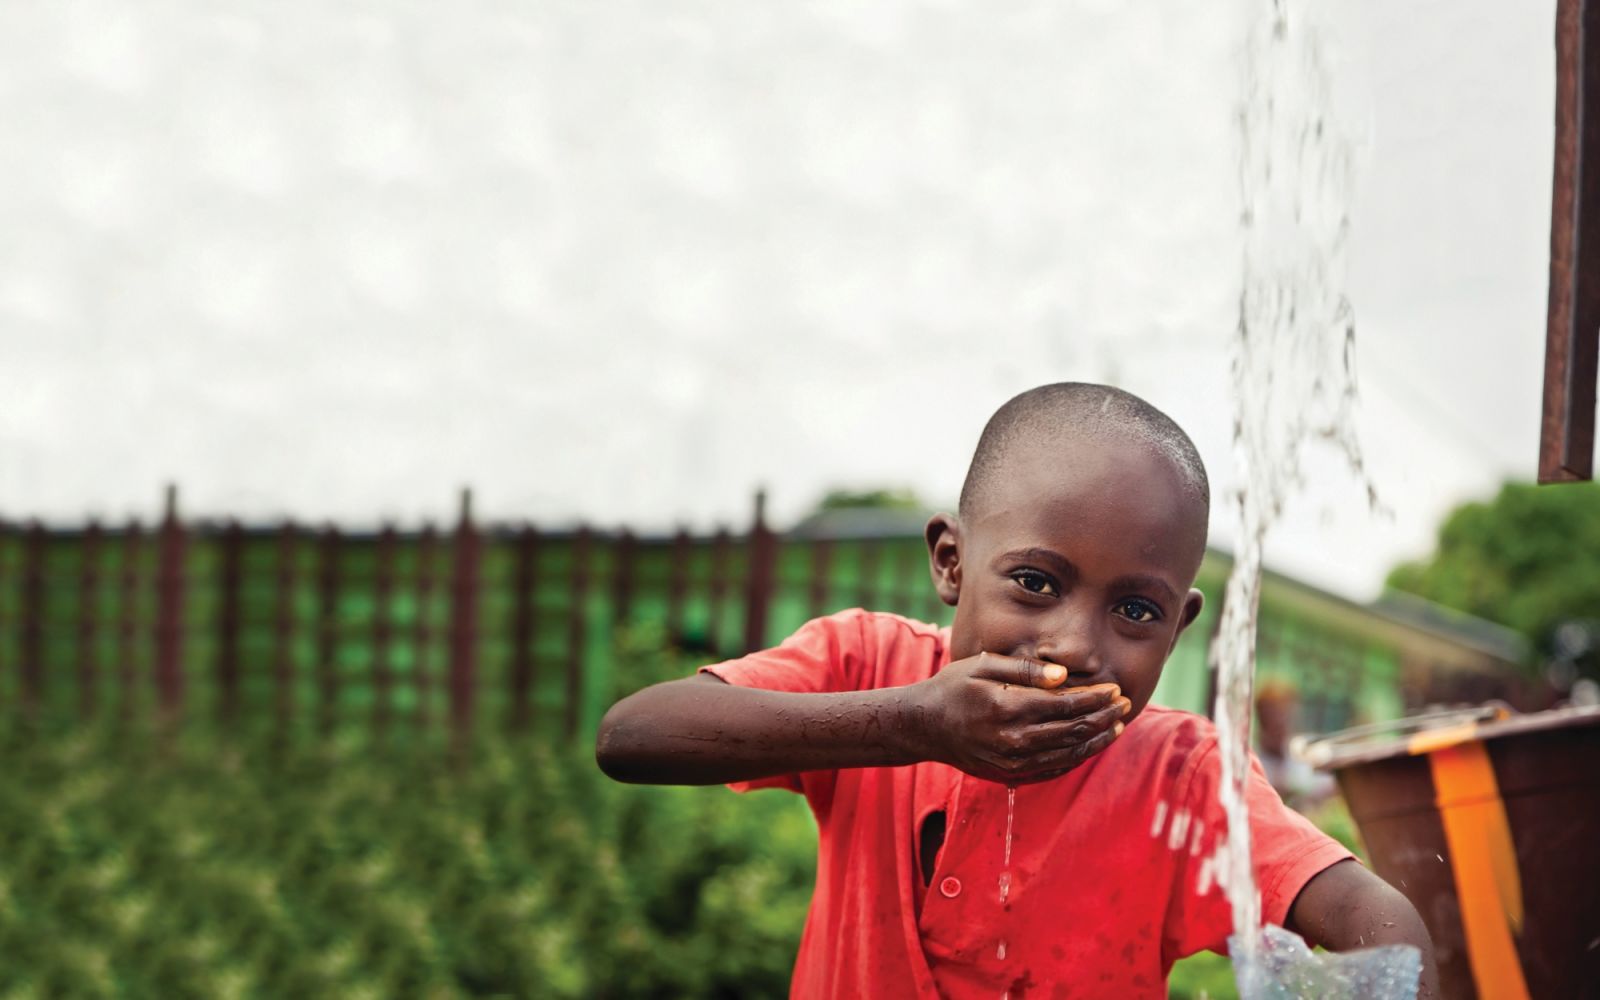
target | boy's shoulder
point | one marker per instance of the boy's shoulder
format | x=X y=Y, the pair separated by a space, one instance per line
x=1162 y=721
x=1180 y=741
x=878 y=626
x=876 y=648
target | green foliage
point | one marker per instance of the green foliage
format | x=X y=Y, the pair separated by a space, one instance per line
x=1530 y=559
x=1204 y=975
x=879 y=499
x=213 y=867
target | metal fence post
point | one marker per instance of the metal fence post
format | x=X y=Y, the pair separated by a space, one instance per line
x=758 y=580
x=328 y=588
x=228 y=621
x=31 y=615
x=577 y=628
x=171 y=547
x=524 y=626
x=383 y=630
x=463 y=622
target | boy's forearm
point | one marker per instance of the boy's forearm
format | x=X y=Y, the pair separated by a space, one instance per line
x=1347 y=907
x=700 y=731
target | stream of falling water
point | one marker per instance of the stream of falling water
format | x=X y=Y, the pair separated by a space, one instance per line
x=1293 y=363
x=1293 y=382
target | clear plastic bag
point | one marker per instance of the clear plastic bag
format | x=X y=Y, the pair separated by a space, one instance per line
x=1282 y=967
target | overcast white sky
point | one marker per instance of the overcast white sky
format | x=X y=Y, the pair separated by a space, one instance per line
x=626 y=261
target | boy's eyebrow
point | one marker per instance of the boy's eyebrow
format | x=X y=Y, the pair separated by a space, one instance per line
x=1143 y=581
x=1055 y=559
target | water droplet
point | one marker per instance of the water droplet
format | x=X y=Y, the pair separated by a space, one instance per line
x=1011 y=816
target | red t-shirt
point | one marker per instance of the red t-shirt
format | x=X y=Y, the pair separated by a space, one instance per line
x=1111 y=870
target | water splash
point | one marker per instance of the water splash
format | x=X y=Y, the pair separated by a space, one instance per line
x=1005 y=870
x=1293 y=382
x=1285 y=969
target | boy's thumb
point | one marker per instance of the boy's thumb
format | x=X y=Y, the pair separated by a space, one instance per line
x=1020 y=670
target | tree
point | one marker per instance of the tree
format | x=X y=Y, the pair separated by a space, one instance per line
x=893 y=498
x=1529 y=559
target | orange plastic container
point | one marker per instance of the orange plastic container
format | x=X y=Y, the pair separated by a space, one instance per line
x=1490 y=825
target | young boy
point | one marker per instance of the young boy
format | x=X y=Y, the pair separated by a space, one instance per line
x=1000 y=810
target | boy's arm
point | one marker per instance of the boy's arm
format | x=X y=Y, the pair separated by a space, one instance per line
x=995 y=717
x=1345 y=907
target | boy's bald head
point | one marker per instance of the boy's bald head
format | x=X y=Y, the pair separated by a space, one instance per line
x=1038 y=416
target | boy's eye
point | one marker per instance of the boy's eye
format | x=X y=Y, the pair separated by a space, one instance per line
x=1140 y=611
x=1035 y=582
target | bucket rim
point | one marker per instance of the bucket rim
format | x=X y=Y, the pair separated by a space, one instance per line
x=1423 y=734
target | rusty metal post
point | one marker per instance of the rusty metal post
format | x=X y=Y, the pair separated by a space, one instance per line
x=622 y=581
x=171 y=546
x=31 y=618
x=759 y=577
x=870 y=551
x=717 y=587
x=383 y=630
x=677 y=582
x=820 y=584
x=577 y=628
x=89 y=618
x=524 y=626
x=283 y=669
x=228 y=622
x=1572 y=339
x=130 y=589
x=328 y=587
x=464 y=623
x=422 y=627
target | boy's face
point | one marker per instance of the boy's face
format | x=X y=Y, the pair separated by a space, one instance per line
x=1082 y=554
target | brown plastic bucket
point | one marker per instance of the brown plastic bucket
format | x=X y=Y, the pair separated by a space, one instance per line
x=1490 y=825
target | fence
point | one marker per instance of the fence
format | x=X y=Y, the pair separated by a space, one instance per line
x=319 y=628
x=430 y=630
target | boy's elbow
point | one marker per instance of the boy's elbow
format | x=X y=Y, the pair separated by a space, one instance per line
x=631 y=745
x=1404 y=926
x=616 y=748
x=1347 y=907
x=640 y=739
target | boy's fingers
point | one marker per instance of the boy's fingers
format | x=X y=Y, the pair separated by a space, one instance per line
x=1019 y=670
x=1069 y=757
x=1063 y=732
x=1072 y=703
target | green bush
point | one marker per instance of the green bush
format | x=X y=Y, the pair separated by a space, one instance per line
x=213 y=866
x=217 y=865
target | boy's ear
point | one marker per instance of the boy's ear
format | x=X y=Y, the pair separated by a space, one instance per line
x=1191 y=610
x=943 y=535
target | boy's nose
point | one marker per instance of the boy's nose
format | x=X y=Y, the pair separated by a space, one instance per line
x=1072 y=645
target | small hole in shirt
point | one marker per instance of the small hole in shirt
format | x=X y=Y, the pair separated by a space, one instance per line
x=930 y=840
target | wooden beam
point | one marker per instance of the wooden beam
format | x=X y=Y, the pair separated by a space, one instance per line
x=1566 y=439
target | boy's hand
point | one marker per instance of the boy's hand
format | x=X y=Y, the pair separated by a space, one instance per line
x=1008 y=719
